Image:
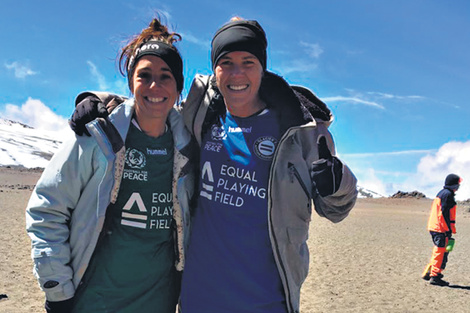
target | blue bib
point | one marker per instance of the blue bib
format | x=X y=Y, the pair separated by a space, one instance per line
x=230 y=265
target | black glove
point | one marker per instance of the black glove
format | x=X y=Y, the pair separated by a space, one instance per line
x=65 y=306
x=327 y=171
x=86 y=111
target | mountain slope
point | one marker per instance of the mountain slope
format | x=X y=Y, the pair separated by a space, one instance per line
x=366 y=193
x=23 y=145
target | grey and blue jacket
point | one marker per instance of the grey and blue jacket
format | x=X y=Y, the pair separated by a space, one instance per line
x=67 y=209
x=291 y=193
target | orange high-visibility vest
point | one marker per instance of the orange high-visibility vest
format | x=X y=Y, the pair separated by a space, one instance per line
x=436 y=220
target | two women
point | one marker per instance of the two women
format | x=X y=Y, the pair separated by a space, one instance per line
x=265 y=160
x=110 y=215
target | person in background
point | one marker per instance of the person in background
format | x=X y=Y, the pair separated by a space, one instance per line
x=109 y=217
x=441 y=226
x=266 y=162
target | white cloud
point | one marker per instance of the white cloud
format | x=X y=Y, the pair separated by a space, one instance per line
x=297 y=66
x=353 y=100
x=372 y=98
x=21 y=71
x=369 y=180
x=147 y=11
x=313 y=49
x=305 y=65
x=118 y=87
x=100 y=79
x=190 y=38
x=390 y=96
x=428 y=176
x=165 y=13
x=452 y=157
x=36 y=114
x=392 y=153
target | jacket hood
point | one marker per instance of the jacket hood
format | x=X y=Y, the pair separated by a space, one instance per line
x=452 y=182
x=296 y=105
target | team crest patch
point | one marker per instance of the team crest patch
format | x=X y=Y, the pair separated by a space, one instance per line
x=264 y=147
x=135 y=158
x=218 y=133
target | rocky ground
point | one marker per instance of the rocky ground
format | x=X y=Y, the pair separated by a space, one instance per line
x=370 y=262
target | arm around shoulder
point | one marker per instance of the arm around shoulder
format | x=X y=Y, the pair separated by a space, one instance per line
x=193 y=108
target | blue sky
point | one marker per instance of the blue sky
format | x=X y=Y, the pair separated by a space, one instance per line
x=396 y=74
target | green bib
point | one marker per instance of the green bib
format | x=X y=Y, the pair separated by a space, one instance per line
x=132 y=269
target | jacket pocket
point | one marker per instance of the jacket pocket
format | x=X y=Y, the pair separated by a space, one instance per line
x=43 y=264
x=299 y=258
x=297 y=235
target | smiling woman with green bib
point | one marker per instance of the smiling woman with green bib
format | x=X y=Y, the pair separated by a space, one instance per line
x=109 y=217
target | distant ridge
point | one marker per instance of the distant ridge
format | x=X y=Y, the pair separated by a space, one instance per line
x=12 y=123
x=413 y=194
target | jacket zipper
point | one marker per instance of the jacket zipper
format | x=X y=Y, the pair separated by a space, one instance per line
x=294 y=173
x=277 y=253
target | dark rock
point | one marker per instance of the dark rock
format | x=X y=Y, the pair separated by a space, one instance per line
x=414 y=194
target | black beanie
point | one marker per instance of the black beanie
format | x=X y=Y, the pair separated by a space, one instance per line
x=452 y=181
x=241 y=35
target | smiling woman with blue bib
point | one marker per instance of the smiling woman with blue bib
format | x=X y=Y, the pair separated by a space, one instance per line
x=265 y=155
x=109 y=217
